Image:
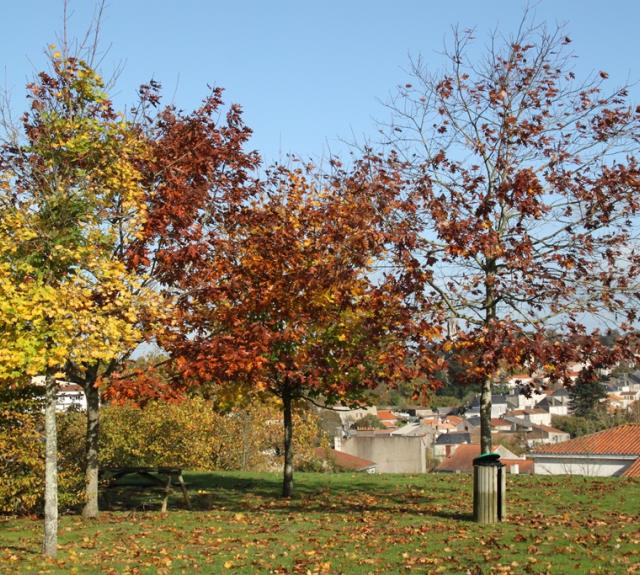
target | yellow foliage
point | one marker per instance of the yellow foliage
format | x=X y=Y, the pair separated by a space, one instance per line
x=65 y=293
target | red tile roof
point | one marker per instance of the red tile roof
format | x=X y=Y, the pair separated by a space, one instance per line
x=345 y=460
x=498 y=422
x=68 y=387
x=463 y=456
x=386 y=414
x=633 y=470
x=454 y=419
x=621 y=440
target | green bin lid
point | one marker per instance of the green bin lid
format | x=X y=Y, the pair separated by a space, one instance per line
x=487 y=457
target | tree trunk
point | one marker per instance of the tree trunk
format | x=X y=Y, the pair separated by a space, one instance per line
x=287 y=483
x=50 y=544
x=485 y=393
x=90 y=510
x=485 y=416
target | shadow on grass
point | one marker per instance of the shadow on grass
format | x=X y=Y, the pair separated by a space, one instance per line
x=212 y=491
x=453 y=516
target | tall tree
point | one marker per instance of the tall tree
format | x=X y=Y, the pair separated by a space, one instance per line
x=585 y=398
x=526 y=186
x=286 y=301
x=71 y=193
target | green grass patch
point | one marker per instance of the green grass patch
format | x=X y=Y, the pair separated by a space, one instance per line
x=343 y=523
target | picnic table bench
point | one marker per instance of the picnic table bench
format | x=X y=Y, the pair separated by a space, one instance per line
x=167 y=477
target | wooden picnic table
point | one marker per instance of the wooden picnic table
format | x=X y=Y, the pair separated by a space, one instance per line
x=164 y=476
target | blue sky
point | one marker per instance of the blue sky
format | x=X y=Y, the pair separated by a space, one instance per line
x=308 y=74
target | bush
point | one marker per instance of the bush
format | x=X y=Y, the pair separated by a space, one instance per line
x=22 y=458
x=189 y=435
x=21 y=463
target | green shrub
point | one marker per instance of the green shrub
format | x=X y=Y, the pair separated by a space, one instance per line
x=191 y=435
x=22 y=459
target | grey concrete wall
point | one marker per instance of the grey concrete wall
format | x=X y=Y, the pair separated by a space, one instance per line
x=392 y=454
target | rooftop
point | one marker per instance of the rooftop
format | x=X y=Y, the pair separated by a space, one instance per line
x=345 y=460
x=621 y=440
x=633 y=470
x=453 y=438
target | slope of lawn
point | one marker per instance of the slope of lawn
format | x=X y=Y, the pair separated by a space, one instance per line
x=344 y=523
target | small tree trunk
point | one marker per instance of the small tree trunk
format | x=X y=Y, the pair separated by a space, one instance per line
x=485 y=416
x=50 y=544
x=287 y=483
x=90 y=510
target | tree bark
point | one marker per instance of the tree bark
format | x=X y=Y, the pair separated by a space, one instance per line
x=50 y=543
x=287 y=483
x=485 y=416
x=485 y=392
x=90 y=509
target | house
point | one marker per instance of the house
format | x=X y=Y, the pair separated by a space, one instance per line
x=388 y=418
x=536 y=416
x=500 y=424
x=545 y=434
x=498 y=406
x=462 y=460
x=518 y=400
x=69 y=395
x=611 y=452
x=439 y=425
x=554 y=405
x=533 y=433
x=447 y=443
x=393 y=451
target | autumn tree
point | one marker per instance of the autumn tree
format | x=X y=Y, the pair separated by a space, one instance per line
x=71 y=194
x=283 y=299
x=526 y=188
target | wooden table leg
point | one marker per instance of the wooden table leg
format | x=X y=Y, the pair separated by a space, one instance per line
x=184 y=491
x=166 y=495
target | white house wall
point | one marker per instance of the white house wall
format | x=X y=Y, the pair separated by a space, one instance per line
x=590 y=467
x=391 y=453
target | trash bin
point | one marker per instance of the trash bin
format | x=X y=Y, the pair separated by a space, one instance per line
x=489 y=488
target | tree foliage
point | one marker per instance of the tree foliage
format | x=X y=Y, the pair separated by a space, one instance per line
x=584 y=398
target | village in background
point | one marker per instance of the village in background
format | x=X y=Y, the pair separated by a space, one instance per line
x=536 y=428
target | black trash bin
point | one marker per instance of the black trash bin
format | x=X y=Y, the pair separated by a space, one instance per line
x=489 y=488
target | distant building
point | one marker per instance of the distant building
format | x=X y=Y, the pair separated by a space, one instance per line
x=612 y=452
x=498 y=406
x=69 y=396
x=447 y=443
x=394 y=451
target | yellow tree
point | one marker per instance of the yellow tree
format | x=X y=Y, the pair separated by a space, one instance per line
x=71 y=196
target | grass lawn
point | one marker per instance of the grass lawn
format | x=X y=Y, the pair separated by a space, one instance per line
x=344 y=523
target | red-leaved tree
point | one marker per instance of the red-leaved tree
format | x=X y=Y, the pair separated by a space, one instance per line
x=527 y=186
x=287 y=302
